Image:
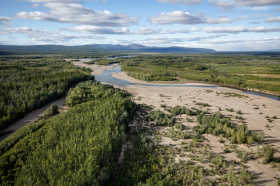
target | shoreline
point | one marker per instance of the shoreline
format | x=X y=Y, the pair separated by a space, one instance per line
x=32 y=116
x=255 y=113
x=99 y=70
x=123 y=75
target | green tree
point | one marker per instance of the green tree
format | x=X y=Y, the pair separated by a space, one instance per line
x=52 y=110
x=250 y=140
x=268 y=154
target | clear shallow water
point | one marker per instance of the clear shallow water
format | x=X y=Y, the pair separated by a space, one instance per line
x=107 y=77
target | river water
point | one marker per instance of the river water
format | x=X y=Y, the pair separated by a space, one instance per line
x=107 y=77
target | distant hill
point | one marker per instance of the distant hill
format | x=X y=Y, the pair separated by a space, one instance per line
x=274 y=50
x=142 y=48
x=94 y=48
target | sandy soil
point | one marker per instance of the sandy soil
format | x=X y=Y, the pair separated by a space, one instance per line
x=254 y=109
x=96 y=69
x=185 y=97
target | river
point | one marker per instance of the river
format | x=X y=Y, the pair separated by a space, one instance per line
x=107 y=77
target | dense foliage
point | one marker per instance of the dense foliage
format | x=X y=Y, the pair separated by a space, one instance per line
x=162 y=119
x=217 y=125
x=240 y=71
x=27 y=84
x=79 y=147
x=268 y=154
x=91 y=90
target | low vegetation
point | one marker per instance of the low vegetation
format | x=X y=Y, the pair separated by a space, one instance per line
x=249 y=72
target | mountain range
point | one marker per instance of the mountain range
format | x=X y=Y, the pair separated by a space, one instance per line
x=135 y=48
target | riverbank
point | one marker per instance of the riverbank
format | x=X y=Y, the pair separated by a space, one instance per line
x=124 y=76
x=30 y=118
x=257 y=112
x=99 y=70
x=96 y=69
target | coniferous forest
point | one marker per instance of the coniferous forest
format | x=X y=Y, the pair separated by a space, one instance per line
x=79 y=147
x=28 y=84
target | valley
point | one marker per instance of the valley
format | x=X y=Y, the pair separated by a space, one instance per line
x=179 y=132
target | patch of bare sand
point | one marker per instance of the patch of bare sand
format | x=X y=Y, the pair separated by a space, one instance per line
x=96 y=69
x=254 y=109
x=173 y=96
x=33 y=116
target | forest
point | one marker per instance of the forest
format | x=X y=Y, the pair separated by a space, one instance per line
x=28 y=84
x=79 y=147
x=104 y=138
x=244 y=71
x=82 y=146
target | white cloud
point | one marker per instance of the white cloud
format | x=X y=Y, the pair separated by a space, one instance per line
x=176 y=17
x=167 y=41
x=252 y=3
x=187 y=2
x=255 y=4
x=260 y=44
x=180 y=17
x=77 y=14
x=164 y=40
x=245 y=41
x=273 y=19
x=99 y=30
x=239 y=29
x=218 y=20
x=47 y=37
x=149 y=31
x=124 y=31
x=61 y=38
x=22 y=30
x=222 y=3
x=35 y=5
x=4 y=20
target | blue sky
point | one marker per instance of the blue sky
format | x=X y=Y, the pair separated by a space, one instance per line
x=223 y=25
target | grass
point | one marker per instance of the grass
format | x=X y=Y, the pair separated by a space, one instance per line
x=231 y=94
x=202 y=104
x=230 y=110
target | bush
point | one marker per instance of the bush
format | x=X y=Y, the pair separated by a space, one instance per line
x=162 y=119
x=250 y=140
x=239 y=112
x=51 y=111
x=268 y=154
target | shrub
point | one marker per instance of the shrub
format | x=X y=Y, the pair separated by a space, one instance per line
x=239 y=112
x=162 y=119
x=250 y=140
x=268 y=154
x=52 y=110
